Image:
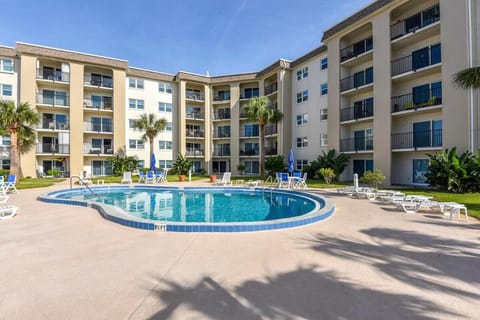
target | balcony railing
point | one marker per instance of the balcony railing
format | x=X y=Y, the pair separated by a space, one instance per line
x=53 y=148
x=53 y=75
x=221 y=134
x=417 y=139
x=221 y=115
x=194 y=153
x=5 y=152
x=54 y=125
x=428 y=98
x=249 y=93
x=104 y=149
x=57 y=99
x=249 y=133
x=270 y=151
x=195 y=96
x=98 y=127
x=356 y=144
x=415 y=62
x=271 y=88
x=356 y=49
x=272 y=105
x=271 y=129
x=106 y=104
x=249 y=152
x=195 y=133
x=220 y=152
x=357 y=80
x=99 y=81
x=222 y=97
x=197 y=115
x=356 y=112
x=415 y=22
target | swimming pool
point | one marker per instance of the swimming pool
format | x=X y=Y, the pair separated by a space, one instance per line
x=212 y=209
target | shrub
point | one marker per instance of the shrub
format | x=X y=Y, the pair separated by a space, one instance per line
x=373 y=179
x=275 y=164
x=337 y=162
x=328 y=174
x=53 y=172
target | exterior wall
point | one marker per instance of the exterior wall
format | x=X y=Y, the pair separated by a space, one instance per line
x=312 y=107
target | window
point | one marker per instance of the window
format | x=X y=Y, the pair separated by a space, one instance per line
x=420 y=168
x=324 y=63
x=141 y=164
x=251 y=130
x=165 y=145
x=250 y=149
x=360 y=166
x=435 y=54
x=251 y=167
x=363 y=139
x=131 y=123
x=165 y=164
x=323 y=140
x=164 y=107
x=136 y=144
x=302 y=96
x=101 y=168
x=165 y=87
x=5 y=164
x=302 y=74
x=302 y=142
x=324 y=114
x=6 y=65
x=324 y=88
x=135 y=83
x=6 y=141
x=250 y=93
x=222 y=132
x=299 y=75
x=300 y=164
x=427 y=134
x=302 y=119
x=168 y=127
x=135 y=104
x=6 y=90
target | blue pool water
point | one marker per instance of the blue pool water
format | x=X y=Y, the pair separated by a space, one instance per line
x=207 y=205
x=198 y=209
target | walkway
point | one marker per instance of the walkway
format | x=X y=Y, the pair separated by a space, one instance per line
x=366 y=262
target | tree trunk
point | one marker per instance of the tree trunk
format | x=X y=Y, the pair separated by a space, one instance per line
x=151 y=152
x=14 y=153
x=262 y=151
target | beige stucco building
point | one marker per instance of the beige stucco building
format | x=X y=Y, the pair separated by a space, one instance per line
x=391 y=96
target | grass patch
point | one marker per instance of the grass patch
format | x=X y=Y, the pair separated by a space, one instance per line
x=30 y=183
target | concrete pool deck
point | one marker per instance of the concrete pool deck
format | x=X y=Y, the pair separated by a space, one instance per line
x=368 y=261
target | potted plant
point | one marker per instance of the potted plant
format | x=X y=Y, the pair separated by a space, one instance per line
x=181 y=166
x=213 y=177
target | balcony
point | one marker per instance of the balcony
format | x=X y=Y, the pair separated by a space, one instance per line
x=249 y=133
x=5 y=152
x=358 y=80
x=361 y=110
x=271 y=129
x=413 y=102
x=222 y=97
x=195 y=133
x=249 y=93
x=54 y=125
x=195 y=96
x=415 y=22
x=219 y=134
x=105 y=104
x=197 y=115
x=249 y=152
x=103 y=149
x=270 y=151
x=220 y=153
x=272 y=105
x=222 y=115
x=271 y=88
x=98 y=80
x=356 y=144
x=99 y=127
x=54 y=99
x=418 y=60
x=52 y=75
x=417 y=139
x=356 y=49
x=194 y=153
x=49 y=148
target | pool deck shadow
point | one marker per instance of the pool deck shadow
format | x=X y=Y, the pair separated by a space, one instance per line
x=361 y=263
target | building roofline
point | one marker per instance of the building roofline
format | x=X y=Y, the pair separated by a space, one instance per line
x=151 y=74
x=7 y=51
x=354 y=18
x=35 y=49
x=308 y=55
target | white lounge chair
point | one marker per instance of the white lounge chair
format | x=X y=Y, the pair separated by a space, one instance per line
x=127 y=177
x=225 y=179
x=84 y=180
x=7 y=212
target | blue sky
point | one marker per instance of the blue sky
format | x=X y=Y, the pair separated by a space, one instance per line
x=218 y=36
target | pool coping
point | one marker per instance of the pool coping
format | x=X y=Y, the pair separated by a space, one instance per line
x=119 y=216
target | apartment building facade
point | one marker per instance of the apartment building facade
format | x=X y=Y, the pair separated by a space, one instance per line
x=391 y=96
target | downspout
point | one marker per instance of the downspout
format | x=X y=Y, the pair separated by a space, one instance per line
x=470 y=65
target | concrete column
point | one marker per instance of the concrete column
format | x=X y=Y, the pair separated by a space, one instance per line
x=234 y=127
x=76 y=118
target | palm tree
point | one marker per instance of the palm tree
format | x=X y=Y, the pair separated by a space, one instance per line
x=258 y=110
x=468 y=78
x=16 y=121
x=151 y=126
